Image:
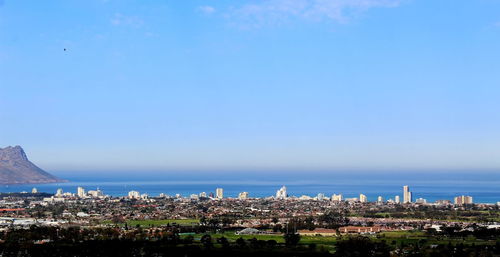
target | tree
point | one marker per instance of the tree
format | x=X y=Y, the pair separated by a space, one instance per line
x=361 y=247
x=206 y=240
x=223 y=241
x=241 y=242
x=292 y=239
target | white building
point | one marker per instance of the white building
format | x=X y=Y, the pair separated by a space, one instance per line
x=203 y=194
x=95 y=193
x=320 y=197
x=421 y=200
x=397 y=199
x=362 y=198
x=243 y=196
x=219 y=193
x=305 y=197
x=461 y=200
x=34 y=190
x=134 y=195
x=281 y=193
x=407 y=198
x=380 y=199
x=82 y=214
x=59 y=192
x=80 y=192
x=337 y=198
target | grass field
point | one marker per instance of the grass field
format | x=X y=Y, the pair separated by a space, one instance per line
x=327 y=243
x=393 y=238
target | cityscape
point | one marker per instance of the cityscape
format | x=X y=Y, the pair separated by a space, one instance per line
x=249 y=128
x=324 y=221
x=281 y=194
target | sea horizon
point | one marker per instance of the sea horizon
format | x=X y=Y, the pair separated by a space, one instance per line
x=432 y=186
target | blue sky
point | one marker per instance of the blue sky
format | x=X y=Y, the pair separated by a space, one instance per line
x=252 y=84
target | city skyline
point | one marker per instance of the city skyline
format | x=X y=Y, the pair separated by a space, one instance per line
x=281 y=194
x=120 y=85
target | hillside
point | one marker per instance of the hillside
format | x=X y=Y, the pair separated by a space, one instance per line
x=15 y=168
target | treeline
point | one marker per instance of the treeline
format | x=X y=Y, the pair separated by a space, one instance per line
x=469 y=213
x=77 y=242
x=144 y=248
x=471 y=231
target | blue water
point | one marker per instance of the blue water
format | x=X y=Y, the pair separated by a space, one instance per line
x=483 y=186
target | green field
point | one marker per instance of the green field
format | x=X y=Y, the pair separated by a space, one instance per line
x=327 y=243
x=393 y=238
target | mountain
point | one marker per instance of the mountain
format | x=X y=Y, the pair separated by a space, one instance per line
x=15 y=168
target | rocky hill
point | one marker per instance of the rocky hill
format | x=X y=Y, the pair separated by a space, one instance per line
x=15 y=168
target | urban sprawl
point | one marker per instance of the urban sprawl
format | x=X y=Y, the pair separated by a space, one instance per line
x=263 y=215
x=90 y=223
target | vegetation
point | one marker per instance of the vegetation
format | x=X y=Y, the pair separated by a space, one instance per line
x=113 y=241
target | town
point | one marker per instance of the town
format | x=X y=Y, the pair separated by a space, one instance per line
x=319 y=220
x=94 y=208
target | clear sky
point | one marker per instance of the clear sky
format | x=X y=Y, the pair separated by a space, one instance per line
x=251 y=84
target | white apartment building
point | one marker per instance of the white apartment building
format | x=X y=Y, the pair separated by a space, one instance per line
x=219 y=193
x=134 y=195
x=281 y=193
x=243 y=196
x=80 y=192
x=407 y=198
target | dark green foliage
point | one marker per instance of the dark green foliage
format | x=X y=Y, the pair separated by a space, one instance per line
x=361 y=247
x=292 y=239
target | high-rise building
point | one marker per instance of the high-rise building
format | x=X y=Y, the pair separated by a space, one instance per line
x=407 y=198
x=134 y=195
x=219 y=193
x=337 y=198
x=34 y=190
x=320 y=197
x=461 y=200
x=80 y=192
x=281 y=193
x=362 y=198
x=397 y=199
x=203 y=194
x=380 y=199
x=243 y=196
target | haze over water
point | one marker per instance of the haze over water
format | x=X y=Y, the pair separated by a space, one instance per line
x=483 y=186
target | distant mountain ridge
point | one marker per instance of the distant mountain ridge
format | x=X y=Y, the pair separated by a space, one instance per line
x=15 y=168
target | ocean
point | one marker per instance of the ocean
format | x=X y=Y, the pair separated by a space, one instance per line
x=484 y=187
